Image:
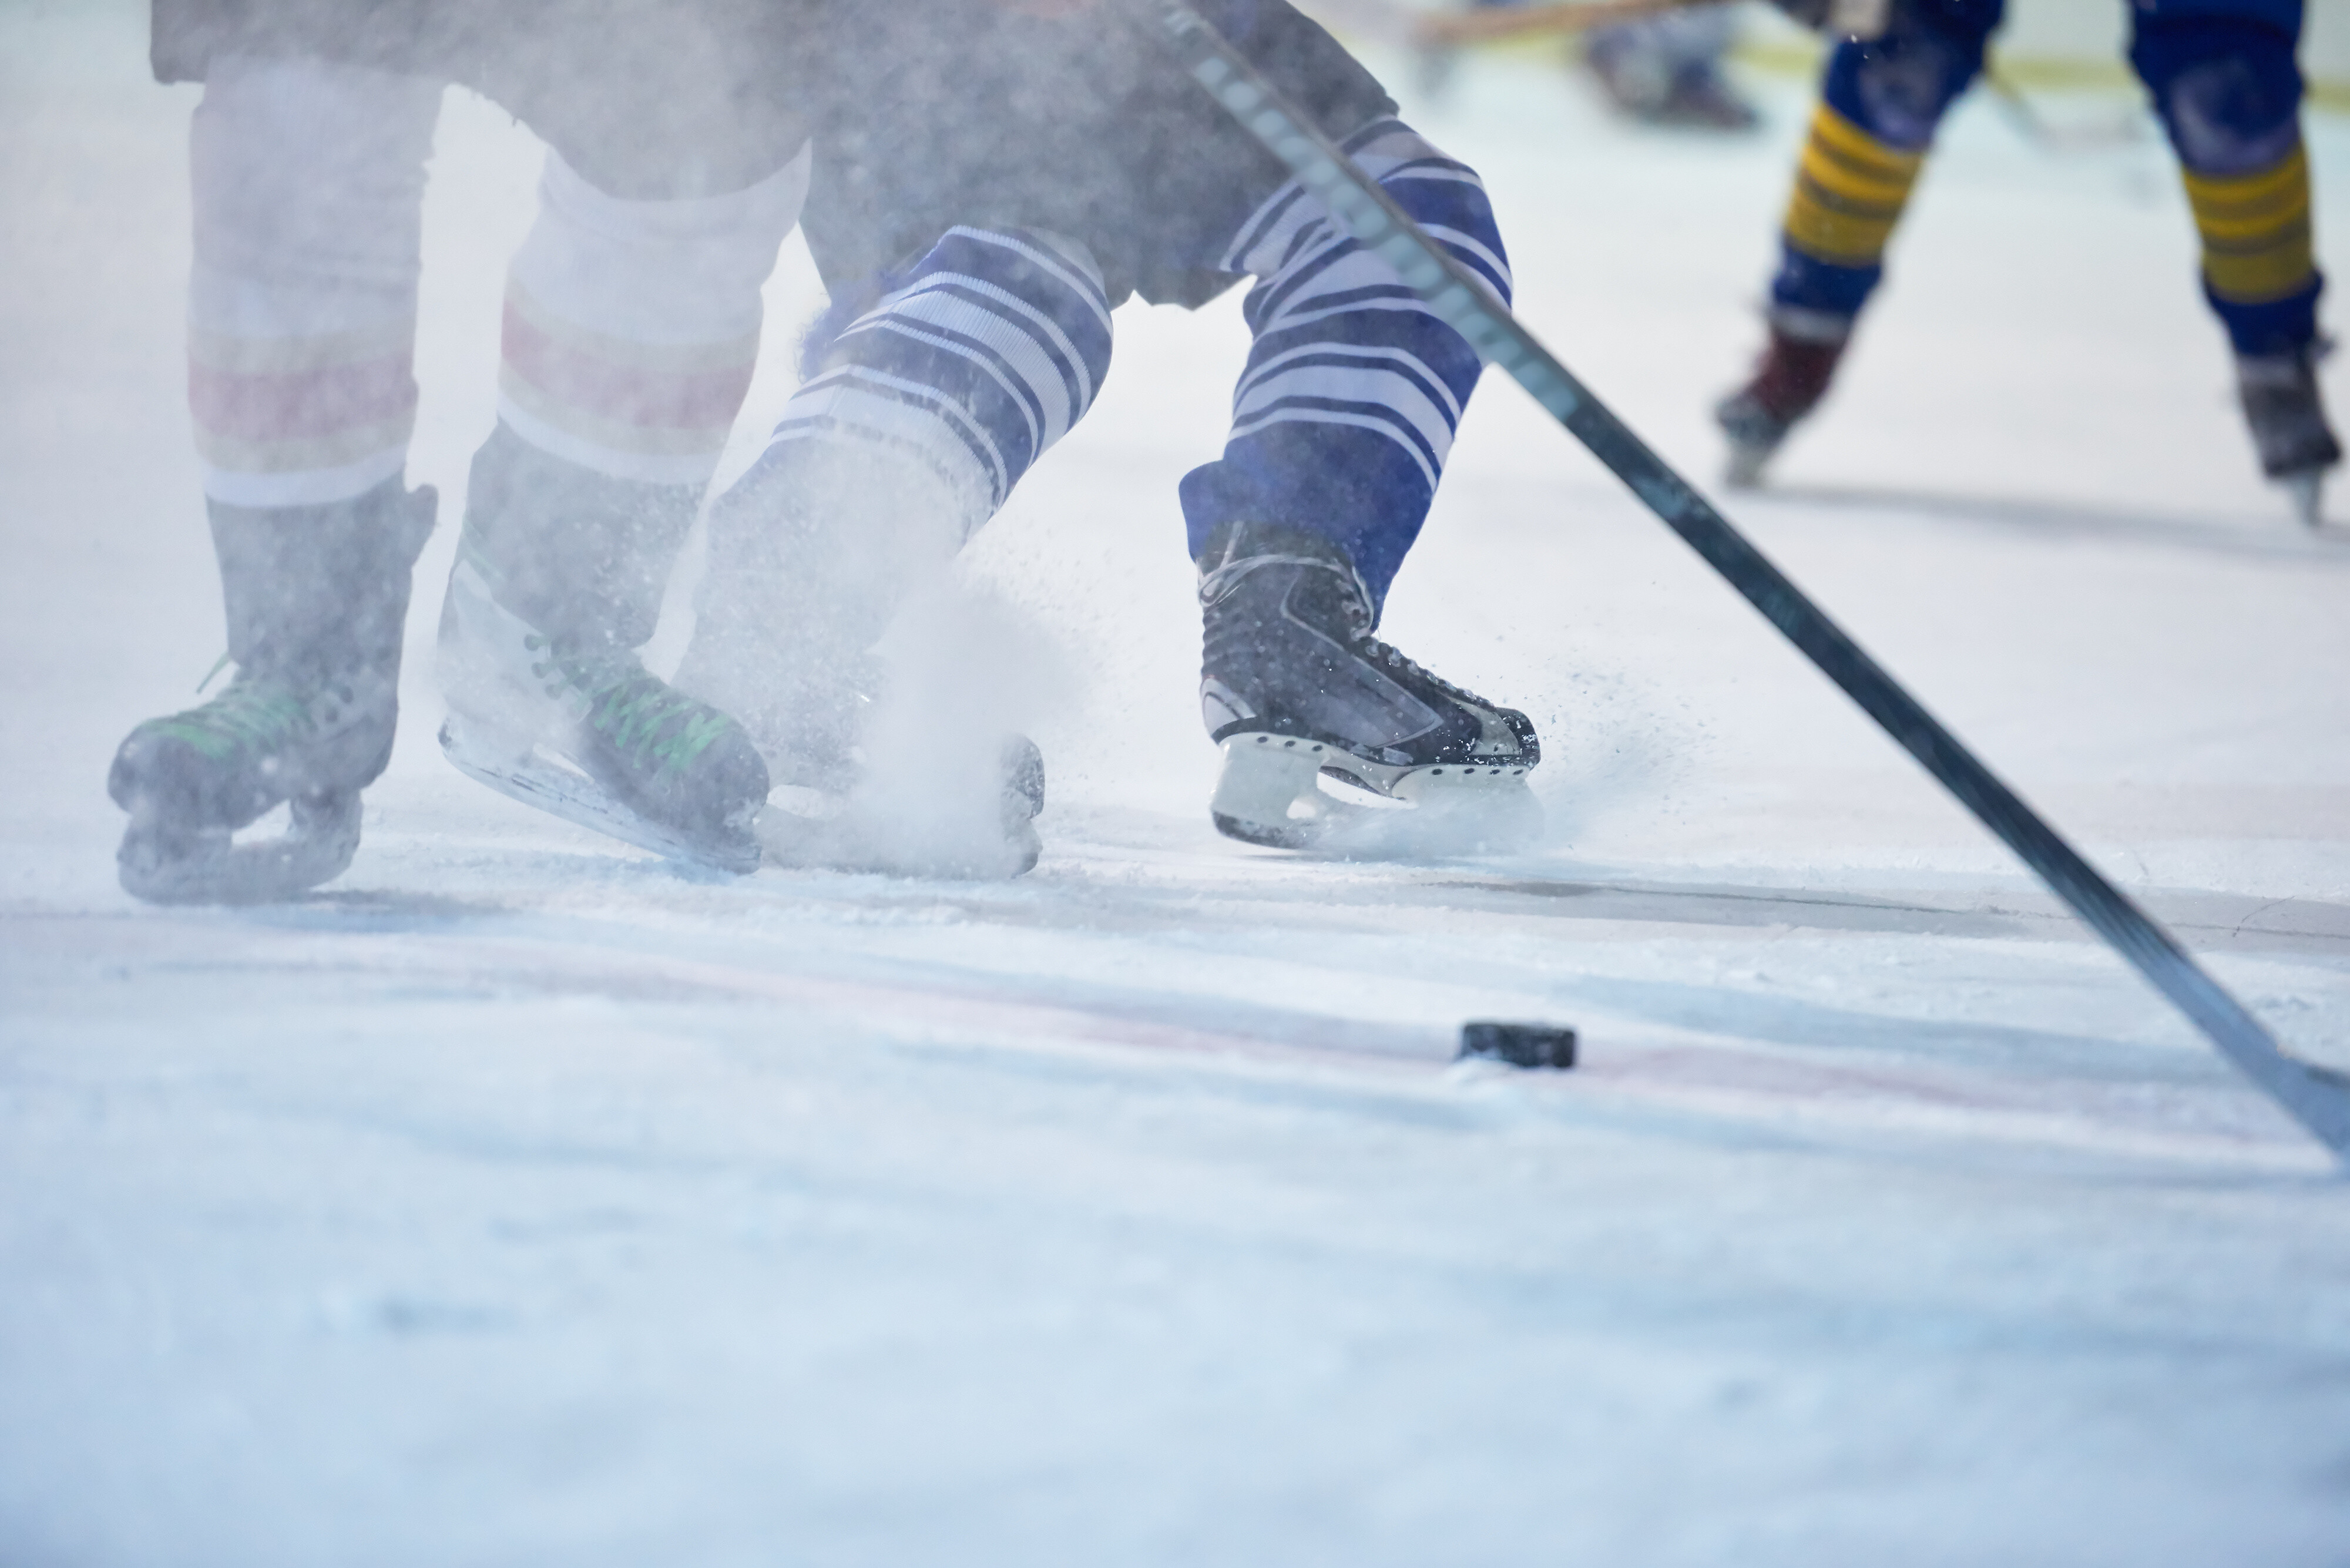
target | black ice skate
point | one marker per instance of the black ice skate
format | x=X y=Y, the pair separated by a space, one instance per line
x=316 y=597
x=1294 y=690
x=558 y=581
x=2287 y=415
x=1797 y=365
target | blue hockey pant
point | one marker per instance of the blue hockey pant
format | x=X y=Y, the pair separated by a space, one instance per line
x=973 y=358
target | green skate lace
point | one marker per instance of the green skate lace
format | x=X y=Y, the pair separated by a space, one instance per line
x=248 y=714
x=646 y=720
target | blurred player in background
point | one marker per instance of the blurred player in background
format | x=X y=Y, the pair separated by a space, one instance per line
x=1665 y=70
x=2226 y=84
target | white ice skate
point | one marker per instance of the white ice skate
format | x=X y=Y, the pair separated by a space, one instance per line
x=591 y=737
x=964 y=817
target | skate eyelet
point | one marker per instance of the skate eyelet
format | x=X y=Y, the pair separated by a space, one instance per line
x=1287 y=745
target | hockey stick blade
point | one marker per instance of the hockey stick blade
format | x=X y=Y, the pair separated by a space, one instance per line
x=2316 y=1096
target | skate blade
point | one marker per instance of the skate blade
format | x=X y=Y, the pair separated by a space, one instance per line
x=1747 y=462
x=2306 y=492
x=320 y=837
x=853 y=841
x=539 y=780
x=1272 y=793
x=872 y=829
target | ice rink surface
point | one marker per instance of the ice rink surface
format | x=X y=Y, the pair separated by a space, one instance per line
x=516 y=1201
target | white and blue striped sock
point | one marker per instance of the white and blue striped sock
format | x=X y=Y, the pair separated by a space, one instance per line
x=1353 y=390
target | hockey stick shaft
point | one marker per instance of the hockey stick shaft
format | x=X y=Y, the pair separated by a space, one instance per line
x=2316 y=1096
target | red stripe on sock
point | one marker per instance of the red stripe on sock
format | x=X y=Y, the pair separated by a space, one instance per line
x=303 y=405
x=624 y=394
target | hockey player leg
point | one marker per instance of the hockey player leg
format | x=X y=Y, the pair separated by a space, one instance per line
x=1342 y=423
x=1880 y=101
x=631 y=331
x=916 y=421
x=2225 y=83
x=307 y=180
x=1665 y=70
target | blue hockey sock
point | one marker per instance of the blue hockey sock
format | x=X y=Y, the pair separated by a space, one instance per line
x=1880 y=102
x=2229 y=90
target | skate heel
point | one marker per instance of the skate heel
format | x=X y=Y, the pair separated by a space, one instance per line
x=1266 y=793
x=322 y=834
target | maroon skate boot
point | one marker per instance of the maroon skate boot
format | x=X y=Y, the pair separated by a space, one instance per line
x=1797 y=365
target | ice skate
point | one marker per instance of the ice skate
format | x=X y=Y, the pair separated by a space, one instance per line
x=2286 y=412
x=874 y=767
x=1648 y=83
x=1295 y=690
x=315 y=599
x=588 y=734
x=558 y=581
x=870 y=778
x=1797 y=365
x=1704 y=100
x=965 y=815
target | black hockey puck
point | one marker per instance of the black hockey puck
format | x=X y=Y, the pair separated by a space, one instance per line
x=1519 y=1044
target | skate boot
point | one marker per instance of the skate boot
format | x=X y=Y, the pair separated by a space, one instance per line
x=316 y=597
x=1296 y=689
x=1702 y=99
x=2287 y=415
x=1648 y=84
x=876 y=765
x=1797 y=365
x=558 y=581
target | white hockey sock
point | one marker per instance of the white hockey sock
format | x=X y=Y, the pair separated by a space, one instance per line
x=632 y=327
x=309 y=183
